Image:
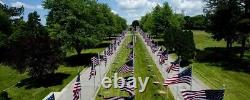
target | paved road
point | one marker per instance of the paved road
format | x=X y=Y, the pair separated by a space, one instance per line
x=89 y=87
x=175 y=89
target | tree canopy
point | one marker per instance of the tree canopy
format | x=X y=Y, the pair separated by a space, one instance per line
x=81 y=24
x=28 y=46
x=162 y=22
x=226 y=18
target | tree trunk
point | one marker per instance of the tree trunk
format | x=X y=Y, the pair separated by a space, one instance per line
x=243 y=46
x=78 y=49
x=229 y=43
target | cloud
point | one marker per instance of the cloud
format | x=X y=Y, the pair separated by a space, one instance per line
x=1 y=2
x=27 y=6
x=113 y=11
x=134 y=9
x=190 y=7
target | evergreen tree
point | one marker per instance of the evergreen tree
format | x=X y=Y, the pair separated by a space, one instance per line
x=34 y=51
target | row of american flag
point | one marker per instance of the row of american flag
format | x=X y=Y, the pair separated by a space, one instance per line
x=184 y=76
x=96 y=60
x=127 y=68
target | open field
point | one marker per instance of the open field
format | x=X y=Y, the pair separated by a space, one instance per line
x=30 y=90
x=218 y=70
x=142 y=60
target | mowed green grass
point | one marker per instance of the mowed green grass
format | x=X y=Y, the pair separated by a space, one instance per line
x=142 y=60
x=10 y=77
x=119 y=60
x=203 y=40
x=237 y=84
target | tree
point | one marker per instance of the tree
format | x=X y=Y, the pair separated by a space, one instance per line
x=197 y=22
x=5 y=28
x=181 y=42
x=161 y=19
x=163 y=22
x=185 y=46
x=147 y=23
x=35 y=51
x=135 y=23
x=80 y=24
x=243 y=26
x=8 y=16
x=222 y=18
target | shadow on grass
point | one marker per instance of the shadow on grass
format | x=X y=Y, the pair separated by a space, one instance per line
x=79 y=60
x=221 y=57
x=102 y=45
x=45 y=81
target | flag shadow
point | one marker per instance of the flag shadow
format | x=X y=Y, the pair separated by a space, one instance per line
x=222 y=57
x=45 y=81
x=79 y=60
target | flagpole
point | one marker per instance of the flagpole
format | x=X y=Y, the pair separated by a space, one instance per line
x=80 y=79
x=94 y=76
x=133 y=36
x=191 y=77
x=179 y=61
x=99 y=66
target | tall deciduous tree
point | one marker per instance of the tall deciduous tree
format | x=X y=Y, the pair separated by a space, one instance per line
x=222 y=16
x=34 y=51
x=81 y=24
x=243 y=25
x=8 y=16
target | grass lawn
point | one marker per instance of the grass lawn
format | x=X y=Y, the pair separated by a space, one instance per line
x=142 y=70
x=9 y=78
x=214 y=74
x=203 y=40
x=120 y=59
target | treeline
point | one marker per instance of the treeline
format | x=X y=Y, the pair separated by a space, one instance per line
x=162 y=22
x=227 y=20
x=198 y=22
x=29 y=46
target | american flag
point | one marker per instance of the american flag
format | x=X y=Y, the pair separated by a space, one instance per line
x=114 y=46
x=128 y=87
x=110 y=50
x=154 y=48
x=130 y=45
x=52 y=97
x=95 y=61
x=203 y=95
x=174 y=67
x=163 y=57
x=92 y=72
x=160 y=52
x=109 y=53
x=161 y=61
x=114 y=98
x=183 y=77
x=127 y=67
x=130 y=56
x=105 y=59
x=77 y=89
